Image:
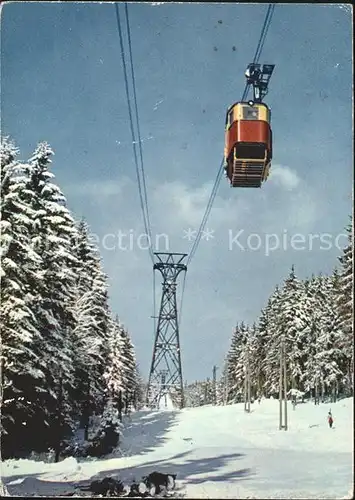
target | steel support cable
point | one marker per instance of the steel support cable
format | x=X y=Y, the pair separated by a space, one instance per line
x=154 y=304
x=181 y=298
x=260 y=45
x=207 y=212
x=259 y=48
x=263 y=35
x=258 y=51
x=137 y=120
x=131 y=126
x=200 y=231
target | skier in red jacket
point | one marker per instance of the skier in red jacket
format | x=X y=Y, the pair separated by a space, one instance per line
x=330 y=419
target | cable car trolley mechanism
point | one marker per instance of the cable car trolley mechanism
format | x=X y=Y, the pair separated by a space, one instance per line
x=248 y=134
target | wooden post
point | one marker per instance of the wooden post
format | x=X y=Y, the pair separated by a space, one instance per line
x=247 y=385
x=280 y=389
x=226 y=389
x=59 y=419
x=120 y=405
x=285 y=383
x=283 y=386
x=87 y=412
x=245 y=388
x=214 y=378
x=128 y=396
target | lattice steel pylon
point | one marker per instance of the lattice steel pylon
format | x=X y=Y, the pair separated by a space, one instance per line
x=166 y=352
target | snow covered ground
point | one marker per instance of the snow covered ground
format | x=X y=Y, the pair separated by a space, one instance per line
x=218 y=452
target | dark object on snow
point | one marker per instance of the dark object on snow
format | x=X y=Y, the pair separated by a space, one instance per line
x=159 y=482
x=330 y=419
x=107 y=487
x=140 y=491
x=154 y=484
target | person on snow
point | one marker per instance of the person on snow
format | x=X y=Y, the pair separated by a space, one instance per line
x=330 y=419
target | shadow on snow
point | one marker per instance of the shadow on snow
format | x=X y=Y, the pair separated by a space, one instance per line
x=145 y=431
x=209 y=469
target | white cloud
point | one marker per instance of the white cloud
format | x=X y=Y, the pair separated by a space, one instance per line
x=306 y=210
x=180 y=201
x=178 y=205
x=284 y=177
x=98 y=188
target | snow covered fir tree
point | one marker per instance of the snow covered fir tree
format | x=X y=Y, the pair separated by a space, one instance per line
x=68 y=366
x=313 y=317
x=200 y=393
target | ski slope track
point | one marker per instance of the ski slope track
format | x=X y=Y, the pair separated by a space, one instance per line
x=217 y=452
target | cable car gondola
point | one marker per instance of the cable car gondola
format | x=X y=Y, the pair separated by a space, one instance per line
x=248 y=134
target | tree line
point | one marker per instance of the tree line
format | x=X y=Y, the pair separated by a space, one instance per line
x=67 y=363
x=312 y=319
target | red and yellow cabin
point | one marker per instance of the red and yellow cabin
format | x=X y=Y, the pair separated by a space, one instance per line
x=248 y=144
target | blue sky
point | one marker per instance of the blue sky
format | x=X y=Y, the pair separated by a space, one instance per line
x=62 y=82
